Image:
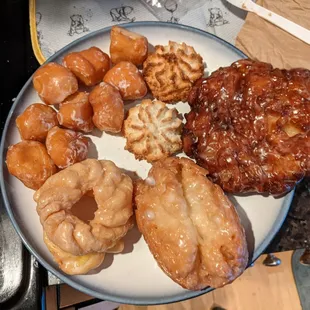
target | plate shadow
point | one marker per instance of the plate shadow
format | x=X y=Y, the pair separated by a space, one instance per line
x=132 y=237
x=245 y=222
x=92 y=150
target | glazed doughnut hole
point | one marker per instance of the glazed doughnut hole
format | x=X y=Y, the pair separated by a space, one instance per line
x=66 y=147
x=127 y=46
x=35 y=122
x=89 y=65
x=54 y=83
x=108 y=108
x=76 y=113
x=126 y=77
x=30 y=163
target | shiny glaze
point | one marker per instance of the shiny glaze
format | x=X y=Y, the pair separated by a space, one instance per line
x=190 y=226
x=35 y=122
x=126 y=77
x=30 y=163
x=250 y=127
x=66 y=147
x=76 y=113
x=54 y=83
x=113 y=194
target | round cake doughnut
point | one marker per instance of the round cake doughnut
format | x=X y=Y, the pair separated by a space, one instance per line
x=35 y=122
x=113 y=192
x=76 y=113
x=54 y=83
x=66 y=147
x=126 y=77
x=89 y=65
x=29 y=162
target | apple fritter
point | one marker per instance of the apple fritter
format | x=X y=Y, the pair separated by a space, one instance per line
x=249 y=125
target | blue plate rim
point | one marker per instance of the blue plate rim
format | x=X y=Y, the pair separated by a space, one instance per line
x=65 y=278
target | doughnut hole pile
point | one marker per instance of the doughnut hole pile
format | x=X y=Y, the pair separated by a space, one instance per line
x=83 y=92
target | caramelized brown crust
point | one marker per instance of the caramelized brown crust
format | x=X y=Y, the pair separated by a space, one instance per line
x=126 y=77
x=171 y=71
x=190 y=226
x=250 y=127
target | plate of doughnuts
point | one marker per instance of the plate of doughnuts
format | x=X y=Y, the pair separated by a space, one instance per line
x=143 y=163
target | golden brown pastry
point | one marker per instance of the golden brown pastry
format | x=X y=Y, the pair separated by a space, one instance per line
x=73 y=264
x=89 y=65
x=76 y=113
x=66 y=147
x=54 y=83
x=190 y=226
x=35 y=122
x=113 y=218
x=127 y=46
x=78 y=264
x=152 y=130
x=29 y=162
x=108 y=108
x=126 y=77
x=171 y=71
x=249 y=125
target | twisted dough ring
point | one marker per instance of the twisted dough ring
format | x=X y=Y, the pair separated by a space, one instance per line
x=113 y=194
x=82 y=264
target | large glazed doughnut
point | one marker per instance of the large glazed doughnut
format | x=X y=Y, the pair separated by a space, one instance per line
x=190 y=226
x=113 y=194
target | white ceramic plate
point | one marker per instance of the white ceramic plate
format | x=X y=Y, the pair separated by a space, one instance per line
x=132 y=277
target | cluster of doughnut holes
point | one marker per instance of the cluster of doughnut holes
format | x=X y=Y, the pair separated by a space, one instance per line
x=59 y=123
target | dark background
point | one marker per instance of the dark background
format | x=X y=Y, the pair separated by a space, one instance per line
x=17 y=59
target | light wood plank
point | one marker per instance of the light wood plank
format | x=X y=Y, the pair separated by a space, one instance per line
x=259 y=288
